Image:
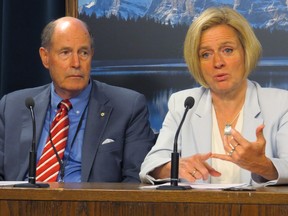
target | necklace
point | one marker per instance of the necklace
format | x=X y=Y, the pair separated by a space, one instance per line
x=228 y=126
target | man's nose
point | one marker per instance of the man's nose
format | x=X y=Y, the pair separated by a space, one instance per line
x=75 y=61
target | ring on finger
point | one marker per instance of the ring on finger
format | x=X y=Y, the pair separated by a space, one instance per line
x=236 y=145
x=193 y=172
x=231 y=152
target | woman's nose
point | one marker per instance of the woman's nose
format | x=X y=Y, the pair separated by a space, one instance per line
x=218 y=61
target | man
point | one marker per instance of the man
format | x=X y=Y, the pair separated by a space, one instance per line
x=109 y=133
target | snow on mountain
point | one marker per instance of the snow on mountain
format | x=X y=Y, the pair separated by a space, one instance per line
x=260 y=13
x=123 y=8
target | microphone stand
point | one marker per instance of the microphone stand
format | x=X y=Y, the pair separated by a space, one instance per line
x=32 y=155
x=175 y=157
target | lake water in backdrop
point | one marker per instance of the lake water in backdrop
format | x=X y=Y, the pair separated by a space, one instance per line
x=158 y=79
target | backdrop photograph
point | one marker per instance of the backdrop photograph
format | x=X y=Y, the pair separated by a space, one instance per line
x=139 y=44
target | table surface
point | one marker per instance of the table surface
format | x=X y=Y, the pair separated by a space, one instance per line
x=133 y=193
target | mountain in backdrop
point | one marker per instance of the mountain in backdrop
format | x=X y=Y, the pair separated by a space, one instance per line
x=260 y=13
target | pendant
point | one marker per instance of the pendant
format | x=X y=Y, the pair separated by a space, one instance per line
x=227 y=130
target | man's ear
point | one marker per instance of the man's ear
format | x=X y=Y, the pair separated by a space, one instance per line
x=44 y=57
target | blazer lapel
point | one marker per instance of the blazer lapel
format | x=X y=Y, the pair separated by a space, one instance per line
x=252 y=118
x=201 y=123
x=98 y=116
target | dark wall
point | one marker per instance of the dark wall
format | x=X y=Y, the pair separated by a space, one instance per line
x=21 y=26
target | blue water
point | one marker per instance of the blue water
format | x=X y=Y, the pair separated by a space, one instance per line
x=158 y=79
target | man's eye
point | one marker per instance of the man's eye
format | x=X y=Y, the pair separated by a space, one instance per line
x=84 y=54
x=65 y=53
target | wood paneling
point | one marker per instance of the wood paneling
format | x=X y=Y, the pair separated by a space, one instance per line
x=107 y=199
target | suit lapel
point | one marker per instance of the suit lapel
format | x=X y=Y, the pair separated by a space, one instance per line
x=41 y=104
x=26 y=142
x=98 y=116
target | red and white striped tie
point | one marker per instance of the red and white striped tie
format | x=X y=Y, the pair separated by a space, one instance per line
x=48 y=165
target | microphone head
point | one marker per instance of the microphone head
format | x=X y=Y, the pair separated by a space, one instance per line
x=29 y=102
x=189 y=102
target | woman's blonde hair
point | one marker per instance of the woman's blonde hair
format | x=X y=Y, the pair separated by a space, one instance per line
x=217 y=16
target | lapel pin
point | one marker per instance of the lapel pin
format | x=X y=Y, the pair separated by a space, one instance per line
x=102 y=114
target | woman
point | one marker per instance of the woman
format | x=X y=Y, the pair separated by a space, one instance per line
x=223 y=139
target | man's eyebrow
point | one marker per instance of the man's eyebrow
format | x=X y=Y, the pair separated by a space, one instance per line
x=85 y=47
x=65 y=48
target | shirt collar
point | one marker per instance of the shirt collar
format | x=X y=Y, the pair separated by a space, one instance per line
x=78 y=103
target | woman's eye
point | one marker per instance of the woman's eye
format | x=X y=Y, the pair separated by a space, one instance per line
x=205 y=55
x=228 y=50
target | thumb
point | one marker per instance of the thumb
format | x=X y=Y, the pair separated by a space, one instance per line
x=259 y=133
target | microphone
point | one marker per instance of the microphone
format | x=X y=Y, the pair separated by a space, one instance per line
x=29 y=102
x=188 y=104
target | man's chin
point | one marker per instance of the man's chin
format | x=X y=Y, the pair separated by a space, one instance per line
x=75 y=90
x=77 y=84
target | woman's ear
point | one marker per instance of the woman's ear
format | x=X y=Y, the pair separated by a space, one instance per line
x=44 y=57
